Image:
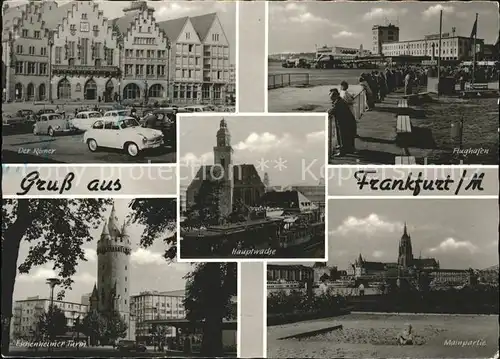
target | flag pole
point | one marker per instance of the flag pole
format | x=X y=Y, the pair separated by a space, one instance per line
x=474 y=55
x=439 y=49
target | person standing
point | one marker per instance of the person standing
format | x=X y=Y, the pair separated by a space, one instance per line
x=345 y=124
x=408 y=83
x=370 y=97
x=347 y=96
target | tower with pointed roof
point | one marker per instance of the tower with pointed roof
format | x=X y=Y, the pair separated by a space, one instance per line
x=223 y=161
x=112 y=292
x=405 y=256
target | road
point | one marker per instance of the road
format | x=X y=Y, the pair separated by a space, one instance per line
x=29 y=148
x=320 y=76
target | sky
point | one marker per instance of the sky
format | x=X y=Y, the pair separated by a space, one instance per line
x=167 y=9
x=149 y=270
x=299 y=26
x=459 y=233
x=299 y=141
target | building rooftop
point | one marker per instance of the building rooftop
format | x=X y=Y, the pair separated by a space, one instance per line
x=203 y=23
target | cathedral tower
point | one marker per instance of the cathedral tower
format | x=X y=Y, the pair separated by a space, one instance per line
x=405 y=256
x=223 y=158
x=113 y=268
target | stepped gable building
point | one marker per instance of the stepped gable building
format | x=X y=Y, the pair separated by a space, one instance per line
x=240 y=183
x=25 y=52
x=72 y=51
x=145 y=53
x=112 y=292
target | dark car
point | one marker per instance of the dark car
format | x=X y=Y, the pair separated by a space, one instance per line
x=29 y=115
x=163 y=119
x=130 y=346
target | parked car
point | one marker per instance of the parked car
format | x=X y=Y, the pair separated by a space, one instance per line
x=11 y=121
x=29 y=115
x=130 y=346
x=84 y=120
x=122 y=133
x=52 y=124
x=197 y=108
x=115 y=113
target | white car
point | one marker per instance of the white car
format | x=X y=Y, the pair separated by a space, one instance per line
x=197 y=108
x=122 y=133
x=84 y=120
x=115 y=113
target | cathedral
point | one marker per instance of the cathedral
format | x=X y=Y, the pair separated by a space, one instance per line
x=362 y=267
x=112 y=291
x=240 y=183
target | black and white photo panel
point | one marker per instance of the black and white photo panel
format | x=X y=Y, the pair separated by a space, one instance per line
x=252 y=186
x=103 y=82
x=403 y=82
x=414 y=278
x=98 y=278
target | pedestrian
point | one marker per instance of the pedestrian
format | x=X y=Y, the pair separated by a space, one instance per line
x=347 y=96
x=408 y=83
x=382 y=86
x=345 y=124
x=370 y=98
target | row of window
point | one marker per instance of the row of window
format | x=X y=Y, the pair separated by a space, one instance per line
x=82 y=54
x=31 y=68
x=196 y=61
x=31 y=50
x=150 y=70
x=423 y=45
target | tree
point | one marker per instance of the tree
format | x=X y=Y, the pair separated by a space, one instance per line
x=210 y=287
x=206 y=210
x=52 y=323
x=94 y=326
x=115 y=327
x=56 y=230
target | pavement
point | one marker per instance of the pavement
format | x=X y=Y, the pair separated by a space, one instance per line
x=30 y=148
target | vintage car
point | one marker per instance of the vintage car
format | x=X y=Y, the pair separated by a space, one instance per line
x=197 y=108
x=122 y=133
x=130 y=346
x=52 y=124
x=84 y=120
x=115 y=113
x=29 y=115
x=43 y=111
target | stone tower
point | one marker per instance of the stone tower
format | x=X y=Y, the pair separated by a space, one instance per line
x=405 y=256
x=223 y=159
x=266 y=181
x=113 y=268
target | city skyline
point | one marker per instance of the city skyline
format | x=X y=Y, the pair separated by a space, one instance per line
x=148 y=266
x=167 y=10
x=298 y=141
x=298 y=27
x=458 y=233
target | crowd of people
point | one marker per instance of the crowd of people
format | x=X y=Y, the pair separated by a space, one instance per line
x=378 y=84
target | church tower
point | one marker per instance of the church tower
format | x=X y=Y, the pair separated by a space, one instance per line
x=405 y=256
x=223 y=158
x=113 y=267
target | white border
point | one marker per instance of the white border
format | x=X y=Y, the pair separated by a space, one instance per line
x=238 y=312
x=237 y=59
x=264 y=309
x=266 y=64
x=183 y=117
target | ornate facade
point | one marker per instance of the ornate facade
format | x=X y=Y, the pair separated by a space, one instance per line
x=81 y=55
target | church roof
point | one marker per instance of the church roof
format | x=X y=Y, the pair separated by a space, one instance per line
x=203 y=23
x=123 y=23
x=425 y=262
x=173 y=28
x=244 y=174
x=54 y=16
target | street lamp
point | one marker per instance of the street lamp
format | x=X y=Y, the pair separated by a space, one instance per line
x=51 y=44
x=168 y=46
x=145 y=92
x=52 y=282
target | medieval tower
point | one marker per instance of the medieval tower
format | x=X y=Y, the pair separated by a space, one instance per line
x=405 y=256
x=223 y=158
x=112 y=292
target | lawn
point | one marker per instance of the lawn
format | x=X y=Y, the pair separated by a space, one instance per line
x=374 y=336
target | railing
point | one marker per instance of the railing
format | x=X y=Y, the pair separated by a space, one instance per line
x=275 y=81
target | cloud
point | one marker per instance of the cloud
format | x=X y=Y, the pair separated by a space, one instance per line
x=295 y=7
x=90 y=254
x=308 y=18
x=174 y=10
x=435 y=9
x=264 y=142
x=380 y=13
x=316 y=136
x=144 y=256
x=369 y=225
x=378 y=254
x=451 y=244
x=41 y=274
x=344 y=34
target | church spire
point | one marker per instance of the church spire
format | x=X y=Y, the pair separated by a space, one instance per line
x=405 y=231
x=223 y=135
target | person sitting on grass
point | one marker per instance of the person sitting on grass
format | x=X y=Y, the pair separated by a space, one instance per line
x=406 y=336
